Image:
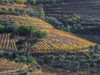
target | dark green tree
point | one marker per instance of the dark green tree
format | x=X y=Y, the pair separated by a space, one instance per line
x=10 y=10
x=32 y=2
x=91 y=47
x=77 y=65
x=3 y=9
x=1 y=53
x=42 y=14
x=1 y=29
x=30 y=36
x=16 y=10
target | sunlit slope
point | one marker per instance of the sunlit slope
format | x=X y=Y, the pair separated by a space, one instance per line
x=6 y=65
x=57 y=40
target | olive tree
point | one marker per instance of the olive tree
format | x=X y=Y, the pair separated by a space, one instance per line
x=29 y=35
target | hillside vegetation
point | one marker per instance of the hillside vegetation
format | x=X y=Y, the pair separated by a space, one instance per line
x=56 y=41
x=9 y=65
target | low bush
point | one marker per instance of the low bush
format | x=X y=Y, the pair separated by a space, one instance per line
x=19 y=1
x=1 y=29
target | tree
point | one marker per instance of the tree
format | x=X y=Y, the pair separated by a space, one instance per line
x=87 y=65
x=98 y=61
x=94 y=65
x=96 y=47
x=92 y=52
x=62 y=58
x=46 y=59
x=19 y=1
x=31 y=60
x=42 y=14
x=17 y=59
x=1 y=53
x=68 y=28
x=52 y=57
x=87 y=55
x=3 y=8
x=82 y=61
x=9 y=26
x=40 y=61
x=16 y=10
x=72 y=57
x=23 y=59
x=10 y=10
x=11 y=1
x=91 y=47
x=32 y=2
x=10 y=55
x=6 y=1
x=95 y=56
x=30 y=36
x=21 y=11
x=84 y=57
x=1 y=29
x=77 y=65
x=68 y=62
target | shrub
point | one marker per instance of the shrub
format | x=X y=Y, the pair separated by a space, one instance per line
x=42 y=14
x=9 y=26
x=10 y=54
x=62 y=58
x=72 y=57
x=17 y=59
x=98 y=61
x=82 y=61
x=83 y=57
x=19 y=1
x=92 y=52
x=33 y=13
x=6 y=1
x=1 y=53
x=10 y=10
x=11 y=1
x=40 y=61
x=87 y=55
x=90 y=60
x=23 y=58
x=16 y=10
x=68 y=28
x=23 y=73
x=31 y=60
x=1 y=29
x=68 y=62
x=53 y=21
x=77 y=65
x=96 y=47
x=3 y=8
x=87 y=65
x=38 y=66
x=32 y=2
x=95 y=56
x=46 y=59
x=91 y=47
x=52 y=57
x=21 y=11
x=94 y=65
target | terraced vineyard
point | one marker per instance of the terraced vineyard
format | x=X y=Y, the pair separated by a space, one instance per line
x=6 y=65
x=79 y=7
x=95 y=38
x=56 y=41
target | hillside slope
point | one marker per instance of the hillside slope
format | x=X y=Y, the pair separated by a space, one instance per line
x=79 y=7
x=56 y=41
